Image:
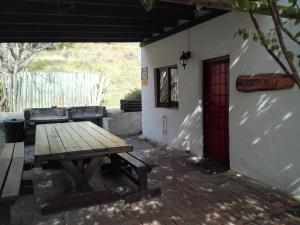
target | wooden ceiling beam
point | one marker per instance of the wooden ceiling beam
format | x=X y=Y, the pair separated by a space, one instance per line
x=114 y=3
x=13 y=39
x=105 y=10
x=199 y=20
x=227 y=5
x=84 y=28
x=88 y=35
x=24 y=18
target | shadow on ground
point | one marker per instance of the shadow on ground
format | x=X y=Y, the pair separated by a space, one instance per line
x=189 y=197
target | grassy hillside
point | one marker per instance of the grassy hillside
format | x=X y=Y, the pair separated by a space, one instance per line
x=118 y=62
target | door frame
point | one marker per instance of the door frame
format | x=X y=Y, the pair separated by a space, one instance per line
x=204 y=90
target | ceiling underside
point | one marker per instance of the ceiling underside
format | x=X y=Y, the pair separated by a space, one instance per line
x=95 y=20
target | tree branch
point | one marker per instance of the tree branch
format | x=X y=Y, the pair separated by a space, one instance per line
x=32 y=51
x=227 y=5
x=274 y=56
x=292 y=36
x=285 y=51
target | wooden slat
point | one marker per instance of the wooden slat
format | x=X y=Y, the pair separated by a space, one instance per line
x=19 y=150
x=12 y=185
x=79 y=155
x=132 y=160
x=107 y=134
x=143 y=159
x=67 y=140
x=42 y=146
x=56 y=146
x=14 y=173
x=100 y=137
x=5 y=160
x=4 y=166
x=93 y=142
x=81 y=143
x=8 y=150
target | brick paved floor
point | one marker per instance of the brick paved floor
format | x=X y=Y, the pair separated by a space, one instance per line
x=188 y=197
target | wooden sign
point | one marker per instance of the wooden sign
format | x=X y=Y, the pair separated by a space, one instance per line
x=263 y=82
x=144 y=76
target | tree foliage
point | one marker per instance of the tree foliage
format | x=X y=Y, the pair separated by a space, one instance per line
x=275 y=39
x=134 y=94
x=15 y=57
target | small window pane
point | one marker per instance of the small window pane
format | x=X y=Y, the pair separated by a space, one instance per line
x=164 y=87
x=174 y=85
x=167 y=87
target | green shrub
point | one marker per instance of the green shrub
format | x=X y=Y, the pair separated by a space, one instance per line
x=134 y=94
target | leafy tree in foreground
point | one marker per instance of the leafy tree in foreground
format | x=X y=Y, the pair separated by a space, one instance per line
x=15 y=57
x=275 y=40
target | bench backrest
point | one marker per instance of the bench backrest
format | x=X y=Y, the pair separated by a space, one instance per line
x=88 y=110
x=11 y=170
x=44 y=112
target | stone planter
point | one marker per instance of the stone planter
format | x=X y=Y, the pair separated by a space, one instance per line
x=131 y=105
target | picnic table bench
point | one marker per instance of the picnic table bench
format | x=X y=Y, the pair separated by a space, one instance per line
x=11 y=170
x=72 y=144
x=126 y=162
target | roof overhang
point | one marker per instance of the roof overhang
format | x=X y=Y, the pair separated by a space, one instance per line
x=96 y=20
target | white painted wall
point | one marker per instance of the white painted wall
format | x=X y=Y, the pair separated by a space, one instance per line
x=264 y=126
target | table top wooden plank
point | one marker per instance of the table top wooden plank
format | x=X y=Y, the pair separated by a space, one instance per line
x=7 y=151
x=80 y=142
x=93 y=142
x=107 y=134
x=77 y=155
x=55 y=143
x=100 y=137
x=69 y=143
x=42 y=146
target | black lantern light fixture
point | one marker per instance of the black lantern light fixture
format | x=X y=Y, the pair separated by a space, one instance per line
x=184 y=58
x=186 y=55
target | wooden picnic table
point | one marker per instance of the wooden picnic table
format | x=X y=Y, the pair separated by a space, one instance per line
x=70 y=144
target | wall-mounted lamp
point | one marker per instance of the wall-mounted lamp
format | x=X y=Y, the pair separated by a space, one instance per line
x=184 y=58
x=186 y=55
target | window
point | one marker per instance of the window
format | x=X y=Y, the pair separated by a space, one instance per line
x=167 y=87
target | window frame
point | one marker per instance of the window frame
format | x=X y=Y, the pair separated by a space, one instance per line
x=171 y=104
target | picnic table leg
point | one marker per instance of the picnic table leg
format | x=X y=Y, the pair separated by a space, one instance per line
x=81 y=178
x=80 y=165
x=5 y=214
x=72 y=170
x=90 y=170
x=142 y=181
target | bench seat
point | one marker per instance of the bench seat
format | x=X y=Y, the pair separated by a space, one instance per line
x=94 y=114
x=48 y=119
x=11 y=170
x=126 y=162
x=46 y=115
x=86 y=116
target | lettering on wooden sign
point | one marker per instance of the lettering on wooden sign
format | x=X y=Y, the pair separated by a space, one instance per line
x=263 y=82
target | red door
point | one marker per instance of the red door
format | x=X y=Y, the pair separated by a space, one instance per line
x=216 y=109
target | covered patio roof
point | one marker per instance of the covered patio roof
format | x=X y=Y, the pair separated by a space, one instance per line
x=95 y=20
